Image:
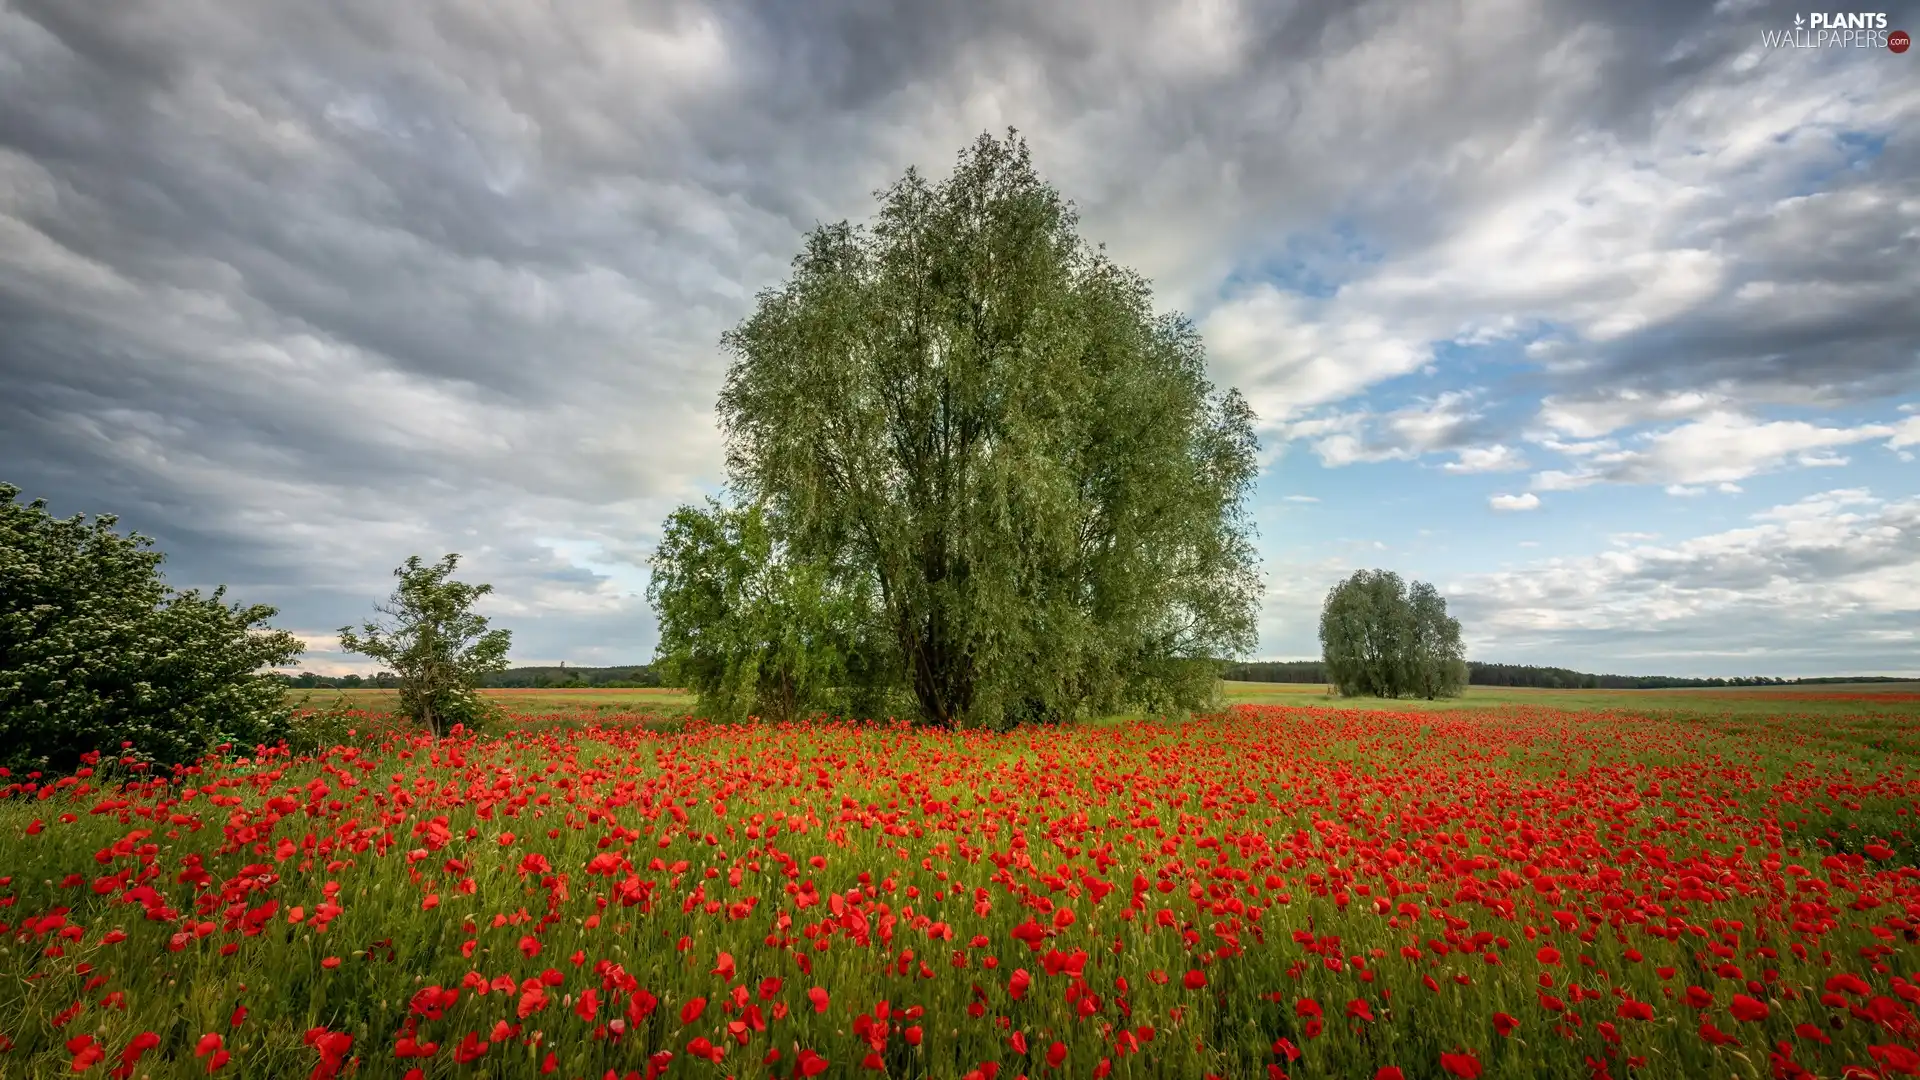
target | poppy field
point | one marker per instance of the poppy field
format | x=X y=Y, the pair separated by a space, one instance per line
x=1274 y=891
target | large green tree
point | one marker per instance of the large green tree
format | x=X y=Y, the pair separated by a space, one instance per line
x=748 y=628
x=1380 y=637
x=435 y=643
x=96 y=650
x=982 y=420
x=1438 y=657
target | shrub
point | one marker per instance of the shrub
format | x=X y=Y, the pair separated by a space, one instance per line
x=96 y=651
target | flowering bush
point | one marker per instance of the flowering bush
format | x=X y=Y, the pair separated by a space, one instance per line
x=1268 y=893
x=95 y=650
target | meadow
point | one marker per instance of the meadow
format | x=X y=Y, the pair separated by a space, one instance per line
x=526 y=702
x=1517 y=884
x=1837 y=698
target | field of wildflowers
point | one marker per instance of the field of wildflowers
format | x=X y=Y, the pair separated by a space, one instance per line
x=1276 y=891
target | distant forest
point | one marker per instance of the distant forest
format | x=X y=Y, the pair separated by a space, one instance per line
x=1548 y=678
x=1275 y=671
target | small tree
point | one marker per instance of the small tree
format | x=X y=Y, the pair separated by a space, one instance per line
x=435 y=644
x=747 y=629
x=96 y=650
x=1381 y=638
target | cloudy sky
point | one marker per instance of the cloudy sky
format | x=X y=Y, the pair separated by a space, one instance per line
x=1600 y=316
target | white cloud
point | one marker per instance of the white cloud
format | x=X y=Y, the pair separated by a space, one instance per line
x=1725 y=447
x=1299 y=499
x=1348 y=438
x=1817 y=577
x=1524 y=501
x=1828 y=505
x=1336 y=451
x=1288 y=353
x=1559 y=480
x=1907 y=432
x=1290 y=608
x=1718 y=449
x=318 y=642
x=1593 y=416
x=1487 y=459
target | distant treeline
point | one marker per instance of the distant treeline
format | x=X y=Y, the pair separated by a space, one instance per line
x=632 y=675
x=1550 y=678
x=1276 y=671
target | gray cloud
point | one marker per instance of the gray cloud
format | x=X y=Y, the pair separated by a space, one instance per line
x=1832 y=580
x=305 y=288
x=1720 y=447
x=1736 y=233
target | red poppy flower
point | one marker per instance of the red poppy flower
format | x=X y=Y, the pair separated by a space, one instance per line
x=1848 y=983
x=1896 y=1059
x=1634 y=1010
x=1714 y=1035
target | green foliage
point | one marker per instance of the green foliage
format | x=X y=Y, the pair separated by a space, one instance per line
x=1382 y=638
x=745 y=626
x=435 y=644
x=972 y=419
x=314 y=730
x=96 y=650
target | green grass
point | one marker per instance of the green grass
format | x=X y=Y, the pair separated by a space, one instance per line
x=660 y=700
x=1835 y=699
x=1890 y=699
x=1703 y=810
